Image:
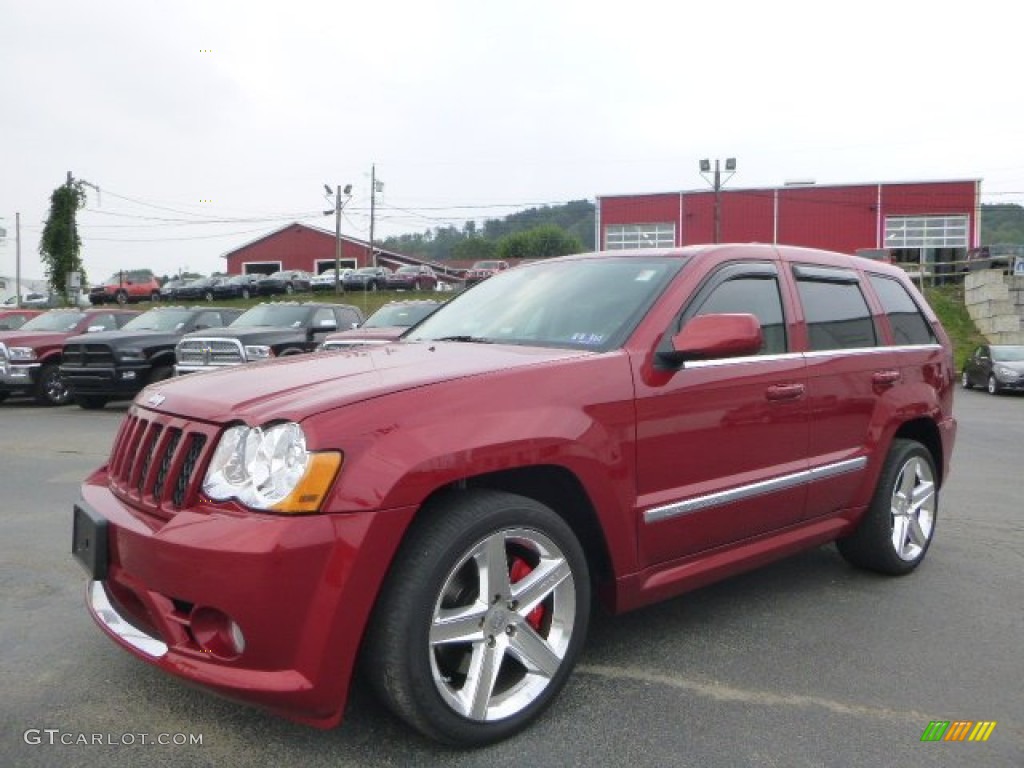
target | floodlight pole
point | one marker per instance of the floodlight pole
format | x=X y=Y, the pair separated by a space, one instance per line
x=337 y=240
x=373 y=201
x=716 y=185
x=17 y=258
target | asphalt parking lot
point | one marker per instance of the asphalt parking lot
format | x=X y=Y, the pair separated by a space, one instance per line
x=804 y=663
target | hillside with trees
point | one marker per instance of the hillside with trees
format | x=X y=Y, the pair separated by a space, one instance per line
x=550 y=230
x=1002 y=223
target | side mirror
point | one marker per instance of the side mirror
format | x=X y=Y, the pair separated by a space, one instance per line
x=708 y=337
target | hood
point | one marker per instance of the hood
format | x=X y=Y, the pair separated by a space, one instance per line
x=1014 y=365
x=383 y=333
x=297 y=387
x=247 y=332
x=33 y=338
x=126 y=338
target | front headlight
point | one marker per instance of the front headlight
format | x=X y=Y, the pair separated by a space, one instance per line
x=131 y=354
x=270 y=469
x=257 y=352
x=1006 y=373
x=21 y=353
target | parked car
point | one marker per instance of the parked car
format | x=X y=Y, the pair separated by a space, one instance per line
x=13 y=319
x=325 y=280
x=115 y=365
x=994 y=257
x=285 y=282
x=385 y=325
x=997 y=367
x=482 y=270
x=200 y=288
x=367 y=279
x=30 y=357
x=263 y=332
x=126 y=287
x=446 y=509
x=412 y=278
x=236 y=287
x=168 y=288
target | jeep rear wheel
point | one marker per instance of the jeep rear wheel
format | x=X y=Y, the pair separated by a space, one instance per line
x=50 y=389
x=481 y=618
x=895 y=532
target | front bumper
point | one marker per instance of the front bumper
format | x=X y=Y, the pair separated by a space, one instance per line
x=18 y=377
x=123 y=382
x=299 y=588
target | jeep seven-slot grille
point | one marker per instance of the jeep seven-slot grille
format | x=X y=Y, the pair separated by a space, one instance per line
x=156 y=461
x=88 y=355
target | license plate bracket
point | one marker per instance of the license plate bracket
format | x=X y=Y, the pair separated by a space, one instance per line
x=89 y=541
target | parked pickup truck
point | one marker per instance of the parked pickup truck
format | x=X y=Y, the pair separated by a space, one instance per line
x=279 y=329
x=446 y=511
x=30 y=357
x=115 y=365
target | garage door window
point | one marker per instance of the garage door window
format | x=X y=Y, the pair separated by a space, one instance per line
x=619 y=237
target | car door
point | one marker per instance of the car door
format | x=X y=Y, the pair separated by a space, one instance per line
x=849 y=373
x=721 y=446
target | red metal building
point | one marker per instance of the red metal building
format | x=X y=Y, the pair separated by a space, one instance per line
x=296 y=246
x=916 y=222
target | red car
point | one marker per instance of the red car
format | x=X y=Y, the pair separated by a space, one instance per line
x=30 y=357
x=13 y=319
x=412 y=278
x=482 y=270
x=621 y=427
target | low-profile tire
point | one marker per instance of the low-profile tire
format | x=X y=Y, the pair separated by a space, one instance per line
x=121 y=298
x=481 y=618
x=993 y=385
x=898 y=526
x=50 y=389
x=90 y=402
x=965 y=381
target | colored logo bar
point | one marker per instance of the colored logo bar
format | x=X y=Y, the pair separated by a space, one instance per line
x=958 y=730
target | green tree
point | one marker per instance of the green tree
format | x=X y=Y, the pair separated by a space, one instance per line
x=474 y=249
x=60 y=246
x=540 y=242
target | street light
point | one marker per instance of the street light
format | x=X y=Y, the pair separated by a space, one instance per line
x=716 y=184
x=338 y=205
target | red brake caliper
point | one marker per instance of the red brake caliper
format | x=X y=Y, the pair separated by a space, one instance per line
x=520 y=570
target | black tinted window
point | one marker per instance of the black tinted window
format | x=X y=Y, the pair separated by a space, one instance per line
x=908 y=324
x=758 y=296
x=837 y=315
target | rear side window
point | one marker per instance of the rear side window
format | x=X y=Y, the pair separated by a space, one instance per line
x=835 y=310
x=909 y=326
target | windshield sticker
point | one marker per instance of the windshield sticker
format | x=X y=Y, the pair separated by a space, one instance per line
x=644 y=276
x=588 y=338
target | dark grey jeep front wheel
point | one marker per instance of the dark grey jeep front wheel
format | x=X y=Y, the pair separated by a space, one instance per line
x=481 y=619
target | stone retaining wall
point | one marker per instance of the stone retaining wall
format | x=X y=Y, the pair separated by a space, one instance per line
x=996 y=304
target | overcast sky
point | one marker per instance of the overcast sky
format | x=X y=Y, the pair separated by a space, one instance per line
x=207 y=124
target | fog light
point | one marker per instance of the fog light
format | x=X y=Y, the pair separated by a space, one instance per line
x=217 y=633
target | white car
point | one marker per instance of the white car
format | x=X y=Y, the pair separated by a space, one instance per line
x=325 y=280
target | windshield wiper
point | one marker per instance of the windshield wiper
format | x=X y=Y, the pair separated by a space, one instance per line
x=471 y=339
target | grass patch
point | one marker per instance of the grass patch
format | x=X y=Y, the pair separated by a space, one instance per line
x=948 y=303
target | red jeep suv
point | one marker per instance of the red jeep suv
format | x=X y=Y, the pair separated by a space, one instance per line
x=445 y=510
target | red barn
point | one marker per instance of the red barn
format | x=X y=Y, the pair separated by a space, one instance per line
x=297 y=246
x=915 y=222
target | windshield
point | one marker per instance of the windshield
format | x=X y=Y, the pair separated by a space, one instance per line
x=159 y=320
x=239 y=279
x=574 y=303
x=1002 y=354
x=54 y=321
x=399 y=315
x=281 y=315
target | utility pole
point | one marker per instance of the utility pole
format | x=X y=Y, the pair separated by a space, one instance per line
x=338 y=205
x=17 y=257
x=373 y=203
x=716 y=185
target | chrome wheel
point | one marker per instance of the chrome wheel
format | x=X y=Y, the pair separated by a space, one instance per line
x=502 y=624
x=913 y=509
x=993 y=385
x=965 y=380
x=51 y=389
